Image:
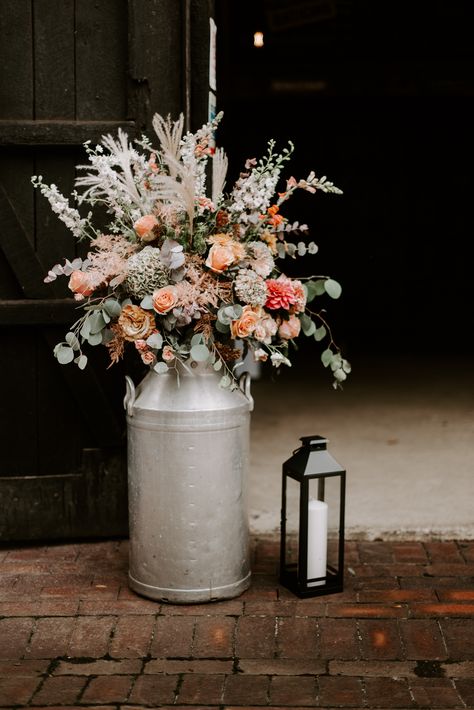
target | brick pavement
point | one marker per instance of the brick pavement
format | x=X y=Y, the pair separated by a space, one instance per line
x=400 y=636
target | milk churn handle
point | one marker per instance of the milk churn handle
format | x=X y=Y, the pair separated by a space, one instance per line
x=129 y=399
x=244 y=384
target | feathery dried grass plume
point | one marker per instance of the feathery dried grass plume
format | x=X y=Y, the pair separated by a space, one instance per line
x=220 y=164
x=169 y=134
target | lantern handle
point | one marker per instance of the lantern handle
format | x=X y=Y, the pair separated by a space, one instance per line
x=319 y=442
x=245 y=381
x=129 y=399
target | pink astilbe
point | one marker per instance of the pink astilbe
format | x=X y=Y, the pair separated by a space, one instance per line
x=108 y=264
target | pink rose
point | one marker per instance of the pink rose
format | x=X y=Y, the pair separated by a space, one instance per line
x=164 y=299
x=168 y=353
x=280 y=293
x=148 y=358
x=266 y=328
x=141 y=345
x=245 y=325
x=79 y=283
x=290 y=329
x=144 y=227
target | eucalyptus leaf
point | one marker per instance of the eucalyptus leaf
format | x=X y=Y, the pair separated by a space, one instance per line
x=97 y=323
x=86 y=328
x=332 y=288
x=82 y=362
x=314 y=288
x=72 y=341
x=113 y=307
x=308 y=326
x=161 y=368
x=65 y=354
x=105 y=316
x=155 y=340
x=147 y=303
x=326 y=357
x=222 y=327
x=95 y=338
x=199 y=353
x=320 y=333
x=217 y=365
x=197 y=339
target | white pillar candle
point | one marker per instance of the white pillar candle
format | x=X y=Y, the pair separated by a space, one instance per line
x=317 y=540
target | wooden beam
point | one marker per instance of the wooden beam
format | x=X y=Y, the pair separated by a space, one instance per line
x=59 y=132
x=59 y=311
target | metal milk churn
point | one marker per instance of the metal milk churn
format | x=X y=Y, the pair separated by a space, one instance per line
x=188 y=448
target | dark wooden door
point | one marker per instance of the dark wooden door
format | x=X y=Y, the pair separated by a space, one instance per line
x=71 y=70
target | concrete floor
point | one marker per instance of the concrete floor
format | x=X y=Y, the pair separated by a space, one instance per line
x=403 y=429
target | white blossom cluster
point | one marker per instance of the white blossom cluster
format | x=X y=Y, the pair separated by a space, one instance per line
x=250 y=288
x=194 y=153
x=252 y=195
x=60 y=206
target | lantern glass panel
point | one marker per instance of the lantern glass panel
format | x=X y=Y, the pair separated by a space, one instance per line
x=292 y=522
x=333 y=499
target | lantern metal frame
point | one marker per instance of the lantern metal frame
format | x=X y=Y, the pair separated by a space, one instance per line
x=302 y=467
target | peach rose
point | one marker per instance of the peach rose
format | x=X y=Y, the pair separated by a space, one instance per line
x=245 y=325
x=290 y=329
x=219 y=258
x=79 y=283
x=141 y=345
x=164 y=299
x=144 y=227
x=136 y=323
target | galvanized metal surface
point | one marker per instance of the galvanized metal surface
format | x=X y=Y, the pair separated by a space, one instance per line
x=188 y=447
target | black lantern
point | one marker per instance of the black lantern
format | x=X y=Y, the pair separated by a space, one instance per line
x=312 y=520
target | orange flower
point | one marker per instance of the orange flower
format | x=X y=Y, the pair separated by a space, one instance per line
x=144 y=227
x=273 y=210
x=245 y=325
x=224 y=252
x=79 y=283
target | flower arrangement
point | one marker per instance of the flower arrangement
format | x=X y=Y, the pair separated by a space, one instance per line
x=182 y=276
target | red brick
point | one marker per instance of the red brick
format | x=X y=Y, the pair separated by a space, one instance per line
x=387 y=693
x=224 y=608
x=62 y=552
x=435 y=583
x=338 y=638
x=364 y=583
x=270 y=607
x=173 y=637
x=101 y=667
x=464 y=669
x=396 y=595
x=14 y=636
x=413 y=552
x=446 y=551
x=154 y=689
x=132 y=637
x=442 y=609
x=434 y=693
x=51 y=637
x=297 y=638
x=281 y=666
x=107 y=689
x=246 y=690
x=364 y=611
x=90 y=637
x=255 y=637
x=456 y=595
x=118 y=607
x=459 y=637
x=293 y=690
x=23 y=668
x=370 y=552
x=213 y=637
x=389 y=570
x=334 y=692
x=380 y=640
x=422 y=639
x=467 y=551
x=83 y=591
x=205 y=689
x=27 y=553
x=445 y=569
x=383 y=669
x=465 y=688
x=173 y=667
x=18 y=689
x=37 y=607
x=351 y=552
x=60 y=690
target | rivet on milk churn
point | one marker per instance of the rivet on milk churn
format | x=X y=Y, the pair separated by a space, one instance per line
x=188 y=448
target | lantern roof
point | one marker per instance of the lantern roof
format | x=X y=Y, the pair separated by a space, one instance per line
x=312 y=459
